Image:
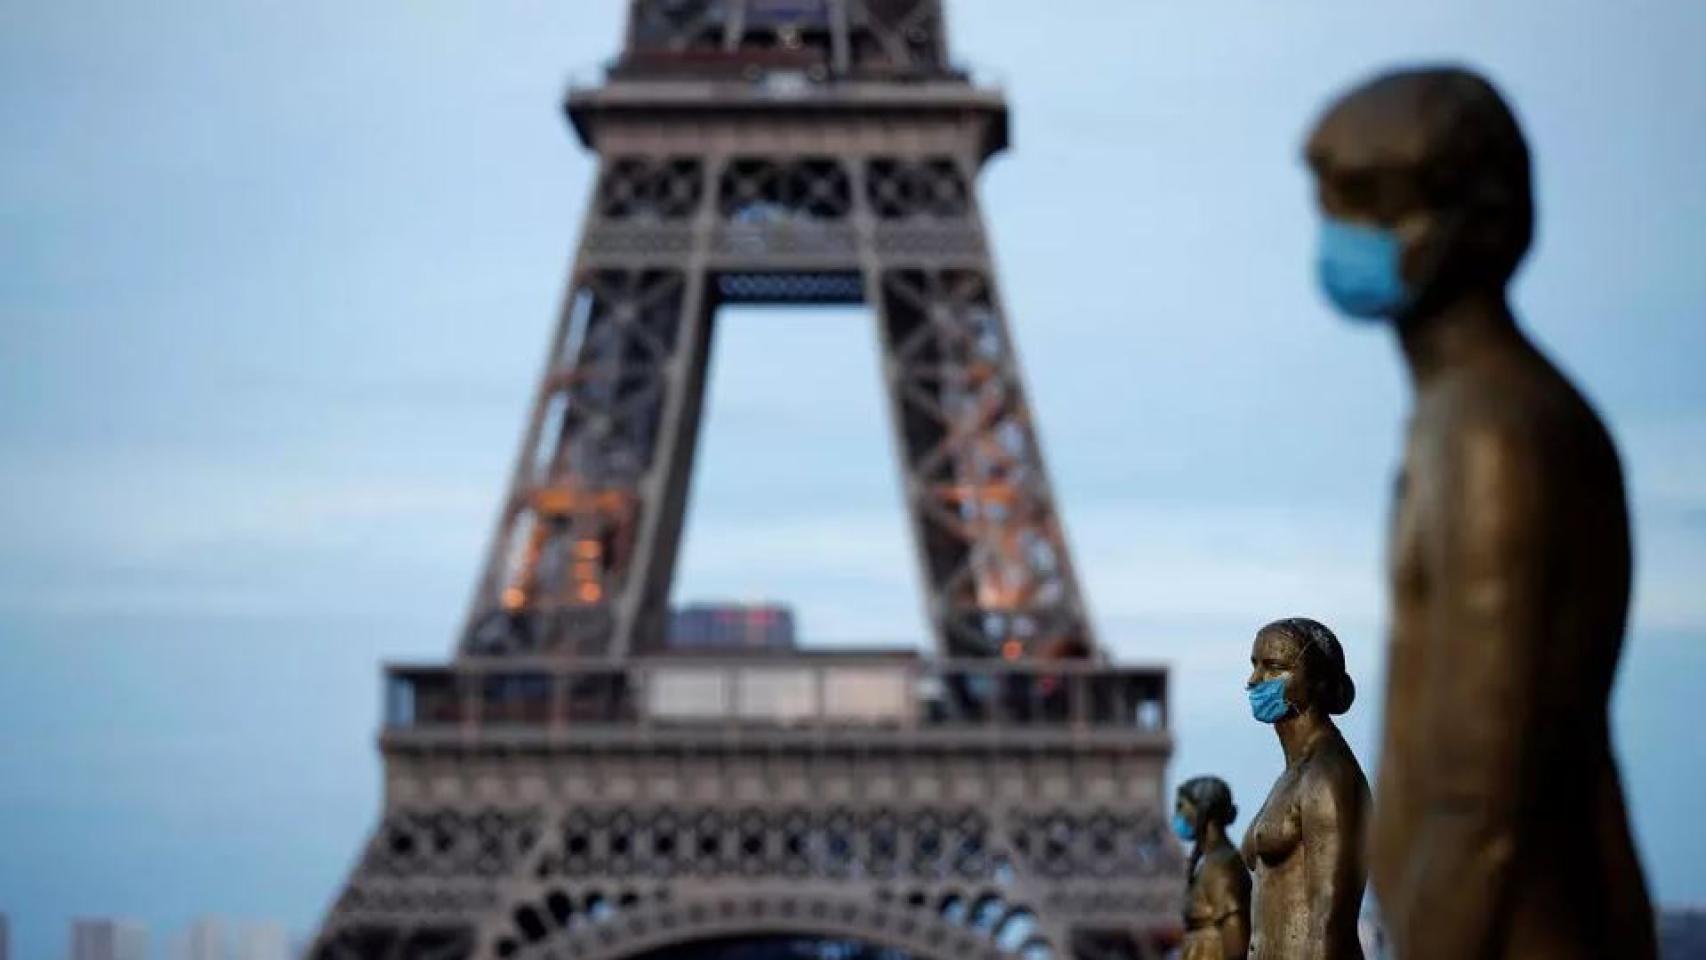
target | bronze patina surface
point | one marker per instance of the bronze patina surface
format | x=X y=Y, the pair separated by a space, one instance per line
x=1217 y=893
x=1500 y=829
x=1305 y=845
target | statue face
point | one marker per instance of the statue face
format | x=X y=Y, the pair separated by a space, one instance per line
x=1366 y=152
x=1380 y=270
x=1277 y=655
x=1378 y=196
x=1185 y=808
x=1434 y=158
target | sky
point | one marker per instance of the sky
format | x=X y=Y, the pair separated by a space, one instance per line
x=276 y=279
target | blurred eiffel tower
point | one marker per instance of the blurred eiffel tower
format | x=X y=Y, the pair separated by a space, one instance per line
x=571 y=785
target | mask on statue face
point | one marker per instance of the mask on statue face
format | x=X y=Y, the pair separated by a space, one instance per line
x=1267 y=700
x=1361 y=270
x=1183 y=828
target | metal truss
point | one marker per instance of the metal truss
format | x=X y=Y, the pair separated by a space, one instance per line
x=583 y=556
x=566 y=788
x=1025 y=823
x=600 y=867
x=826 y=38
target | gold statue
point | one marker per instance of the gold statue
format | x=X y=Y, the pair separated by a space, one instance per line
x=1501 y=830
x=1217 y=894
x=1306 y=844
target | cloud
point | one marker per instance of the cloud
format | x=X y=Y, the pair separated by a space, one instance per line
x=1206 y=563
x=215 y=538
x=235 y=535
x=1665 y=459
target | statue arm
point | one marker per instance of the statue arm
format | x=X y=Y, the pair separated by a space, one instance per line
x=1230 y=893
x=1216 y=895
x=1235 y=936
x=1220 y=897
x=1203 y=908
x=1332 y=840
x=1484 y=639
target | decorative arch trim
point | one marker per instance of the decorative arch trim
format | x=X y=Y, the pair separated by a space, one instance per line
x=634 y=932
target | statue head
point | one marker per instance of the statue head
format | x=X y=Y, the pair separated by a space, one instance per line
x=1423 y=177
x=1304 y=664
x=1202 y=801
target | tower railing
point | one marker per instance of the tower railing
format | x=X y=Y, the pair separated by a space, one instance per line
x=788 y=692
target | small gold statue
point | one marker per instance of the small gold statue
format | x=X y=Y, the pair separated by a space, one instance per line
x=1217 y=893
x=1501 y=830
x=1306 y=844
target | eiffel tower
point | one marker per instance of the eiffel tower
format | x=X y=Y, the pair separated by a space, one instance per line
x=571 y=785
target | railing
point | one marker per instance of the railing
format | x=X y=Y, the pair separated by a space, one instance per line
x=820 y=691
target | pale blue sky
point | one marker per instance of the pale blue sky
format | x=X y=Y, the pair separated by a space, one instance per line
x=275 y=279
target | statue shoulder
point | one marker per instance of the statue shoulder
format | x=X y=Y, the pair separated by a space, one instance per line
x=1223 y=869
x=1335 y=786
x=1470 y=421
x=1531 y=401
x=1483 y=441
x=1223 y=857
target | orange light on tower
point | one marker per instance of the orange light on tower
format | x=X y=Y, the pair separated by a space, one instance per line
x=514 y=598
x=1011 y=650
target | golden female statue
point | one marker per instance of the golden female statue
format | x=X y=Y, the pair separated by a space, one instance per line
x=1306 y=844
x=1501 y=830
x=1217 y=895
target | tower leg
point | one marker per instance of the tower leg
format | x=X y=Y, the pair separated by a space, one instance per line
x=993 y=554
x=586 y=544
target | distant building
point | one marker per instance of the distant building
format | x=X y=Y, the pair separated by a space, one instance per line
x=1682 y=933
x=731 y=627
x=101 y=938
x=264 y=941
x=204 y=940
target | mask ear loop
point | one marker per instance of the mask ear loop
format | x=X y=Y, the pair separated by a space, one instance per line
x=1285 y=682
x=1291 y=709
x=1448 y=227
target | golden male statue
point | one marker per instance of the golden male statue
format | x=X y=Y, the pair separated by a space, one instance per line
x=1499 y=827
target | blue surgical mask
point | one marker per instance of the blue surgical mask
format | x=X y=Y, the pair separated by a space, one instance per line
x=1361 y=269
x=1267 y=700
x=1183 y=828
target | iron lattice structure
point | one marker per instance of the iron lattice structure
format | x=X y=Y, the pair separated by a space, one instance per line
x=568 y=787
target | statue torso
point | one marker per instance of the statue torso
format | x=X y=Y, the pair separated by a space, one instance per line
x=1515 y=409
x=1217 y=906
x=1278 y=847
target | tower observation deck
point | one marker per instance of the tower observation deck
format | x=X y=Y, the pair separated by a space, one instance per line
x=572 y=785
